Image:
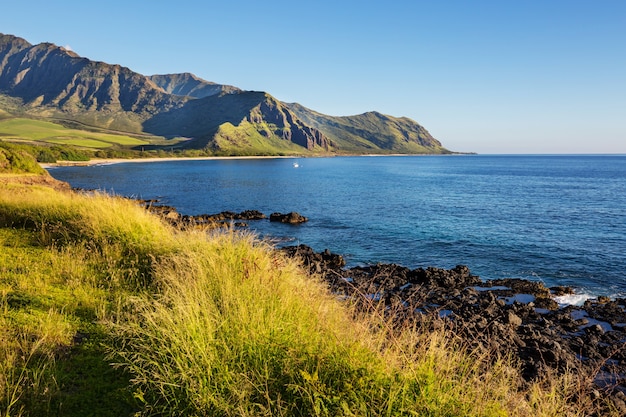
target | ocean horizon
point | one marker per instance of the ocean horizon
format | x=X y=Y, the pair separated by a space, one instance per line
x=559 y=219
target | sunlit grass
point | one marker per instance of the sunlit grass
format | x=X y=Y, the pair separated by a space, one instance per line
x=38 y=130
x=213 y=324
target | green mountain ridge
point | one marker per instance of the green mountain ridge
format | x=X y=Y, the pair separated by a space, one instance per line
x=372 y=130
x=50 y=82
x=243 y=120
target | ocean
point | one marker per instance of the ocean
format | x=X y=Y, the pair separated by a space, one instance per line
x=559 y=219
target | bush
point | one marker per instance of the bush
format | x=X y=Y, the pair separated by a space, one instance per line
x=15 y=160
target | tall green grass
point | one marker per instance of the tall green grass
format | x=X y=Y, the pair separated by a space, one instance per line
x=237 y=330
x=201 y=324
x=126 y=235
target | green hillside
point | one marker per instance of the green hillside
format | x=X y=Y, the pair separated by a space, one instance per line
x=245 y=123
x=372 y=132
x=21 y=129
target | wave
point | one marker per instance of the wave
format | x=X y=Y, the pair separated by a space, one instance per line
x=573 y=299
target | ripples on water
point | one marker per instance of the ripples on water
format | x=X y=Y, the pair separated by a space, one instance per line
x=559 y=219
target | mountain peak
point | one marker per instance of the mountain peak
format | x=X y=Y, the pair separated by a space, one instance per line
x=190 y=85
x=6 y=39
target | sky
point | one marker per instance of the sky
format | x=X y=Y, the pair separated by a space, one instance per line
x=533 y=76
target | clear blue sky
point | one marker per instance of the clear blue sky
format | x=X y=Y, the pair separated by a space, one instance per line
x=533 y=76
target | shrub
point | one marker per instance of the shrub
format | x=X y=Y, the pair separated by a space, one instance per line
x=15 y=160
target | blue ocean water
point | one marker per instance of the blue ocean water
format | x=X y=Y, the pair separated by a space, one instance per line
x=559 y=219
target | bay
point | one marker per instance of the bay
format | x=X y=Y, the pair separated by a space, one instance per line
x=560 y=219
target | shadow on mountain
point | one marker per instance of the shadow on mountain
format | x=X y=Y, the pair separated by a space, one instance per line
x=201 y=118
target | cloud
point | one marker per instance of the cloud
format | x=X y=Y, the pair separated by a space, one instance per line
x=68 y=48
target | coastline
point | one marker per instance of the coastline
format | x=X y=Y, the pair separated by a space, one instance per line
x=111 y=161
x=506 y=316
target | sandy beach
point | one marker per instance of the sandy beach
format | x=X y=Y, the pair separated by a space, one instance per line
x=109 y=161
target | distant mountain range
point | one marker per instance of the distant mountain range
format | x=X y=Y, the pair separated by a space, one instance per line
x=48 y=81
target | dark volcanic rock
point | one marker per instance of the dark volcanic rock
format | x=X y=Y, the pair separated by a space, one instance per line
x=316 y=262
x=505 y=316
x=292 y=218
x=204 y=221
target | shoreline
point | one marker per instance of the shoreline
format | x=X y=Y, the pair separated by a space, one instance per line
x=506 y=316
x=111 y=161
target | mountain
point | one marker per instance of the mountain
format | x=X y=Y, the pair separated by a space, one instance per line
x=53 y=81
x=372 y=131
x=48 y=81
x=187 y=84
x=247 y=120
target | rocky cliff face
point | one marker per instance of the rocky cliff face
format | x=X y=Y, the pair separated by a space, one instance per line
x=47 y=75
x=242 y=119
x=288 y=126
x=271 y=116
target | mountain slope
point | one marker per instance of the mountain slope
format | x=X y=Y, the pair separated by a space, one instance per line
x=243 y=120
x=48 y=81
x=53 y=81
x=374 y=131
x=365 y=133
x=187 y=84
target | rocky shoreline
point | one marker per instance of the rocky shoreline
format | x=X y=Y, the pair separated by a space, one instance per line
x=508 y=317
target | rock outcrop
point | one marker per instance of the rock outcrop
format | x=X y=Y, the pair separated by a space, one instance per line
x=506 y=316
x=291 y=218
x=289 y=127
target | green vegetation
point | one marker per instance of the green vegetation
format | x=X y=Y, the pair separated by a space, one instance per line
x=43 y=131
x=245 y=139
x=39 y=138
x=17 y=161
x=372 y=132
x=46 y=153
x=107 y=311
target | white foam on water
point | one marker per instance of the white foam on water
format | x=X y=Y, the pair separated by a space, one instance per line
x=572 y=299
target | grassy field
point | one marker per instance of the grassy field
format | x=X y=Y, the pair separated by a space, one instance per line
x=107 y=311
x=48 y=132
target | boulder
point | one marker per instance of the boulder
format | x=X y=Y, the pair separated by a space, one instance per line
x=291 y=218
